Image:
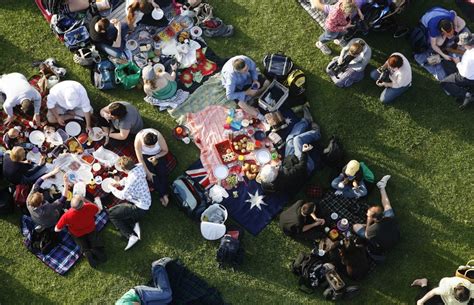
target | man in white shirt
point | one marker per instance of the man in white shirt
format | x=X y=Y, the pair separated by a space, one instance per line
x=66 y=100
x=461 y=83
x=450 y=291
x=399 y=77
x=19 y=92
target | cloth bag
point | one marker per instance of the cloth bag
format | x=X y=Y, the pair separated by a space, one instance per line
x=128 y=75
x=466 y=271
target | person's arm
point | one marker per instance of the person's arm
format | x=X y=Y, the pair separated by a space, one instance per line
x=437 y=49
x=230 y=90
x=459 y=24
x=253 y=70
x=163 y=146
x=36 y=101
x=118 y=40
x=139 y=153
x=61 y=223
x=88 y=117
x=121 y=135
x=155 y=5
x=318 y=222
x=428 y=295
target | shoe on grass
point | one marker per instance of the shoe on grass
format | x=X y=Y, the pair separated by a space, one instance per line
x=137 y=230
x=340 y=42
x=467 y=100
x=420 y=282
x=132 y=240
x=323 y=47
x=383 y=182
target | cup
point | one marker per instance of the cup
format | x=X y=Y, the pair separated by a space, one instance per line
x=334 y=216
x=321 y=252
x=186 y=140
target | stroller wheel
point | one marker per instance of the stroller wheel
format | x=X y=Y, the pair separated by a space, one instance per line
x=400 y=32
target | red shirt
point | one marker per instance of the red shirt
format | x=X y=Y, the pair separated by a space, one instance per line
x=79 y=222
x=336 y=20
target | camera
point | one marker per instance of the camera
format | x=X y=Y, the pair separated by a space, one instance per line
x=337 y=68
x=384 y=75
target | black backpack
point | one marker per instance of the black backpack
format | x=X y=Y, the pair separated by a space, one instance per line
x=43 y=241
x=333 y=154
x=190 y=196
x=230 y=252
x=418 y=41
x=277 y=66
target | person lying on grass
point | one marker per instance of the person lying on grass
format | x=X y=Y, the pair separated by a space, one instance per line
x=450 y=291
x=242 y=83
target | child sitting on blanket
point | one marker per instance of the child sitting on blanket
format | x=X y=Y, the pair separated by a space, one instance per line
x=158 y=83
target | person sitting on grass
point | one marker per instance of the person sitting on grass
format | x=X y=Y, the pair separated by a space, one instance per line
x=381 y=229
x=300 y=221
x=350 y=183
x=43 y=213
x=80 y=222
x=442 y=26
x=337 y=23
x=120 y=121
x=151 y=148
x=450 y=291
x=108 y=36
x=242 y=82
x=12 y=137
x=19 y=94
x=158 y=83
x=18 y=170
x=66 y=101
x=460 y=83
x=125 y=216
x=398 y=79
x=350 y=64
x=297 y=165
x=140 y=12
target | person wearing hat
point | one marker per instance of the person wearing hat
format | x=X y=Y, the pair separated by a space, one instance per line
x=19 y=93
x=66 y=100
x=80 y=222
x=350 y=183
x=158 y=83
x=460 y=84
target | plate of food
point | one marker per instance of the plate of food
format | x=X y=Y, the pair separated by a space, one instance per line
x=96 y=134
x=131 y=45
x=34 y=157
x=250 y=169
x=73 y=128
x=243 y=145
x=74 y=146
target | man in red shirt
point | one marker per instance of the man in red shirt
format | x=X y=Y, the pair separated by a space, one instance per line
x=80 y=221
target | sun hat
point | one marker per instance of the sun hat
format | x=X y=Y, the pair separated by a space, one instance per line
x=352 y=168
x=466 y=39
x=148 y=73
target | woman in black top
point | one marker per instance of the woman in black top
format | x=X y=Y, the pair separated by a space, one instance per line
x=108 y=35
x=17 y=170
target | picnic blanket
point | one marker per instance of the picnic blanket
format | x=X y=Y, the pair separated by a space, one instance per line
x=209 y=93
x=65 y=255
x=252 y=208
x=353 y=209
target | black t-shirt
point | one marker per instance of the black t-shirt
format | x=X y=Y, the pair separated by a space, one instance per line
x=108 y=37
x=291 y=220
x=385 y=233
x=15 y=171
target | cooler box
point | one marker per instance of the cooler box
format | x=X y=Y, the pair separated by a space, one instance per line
x=273 y=97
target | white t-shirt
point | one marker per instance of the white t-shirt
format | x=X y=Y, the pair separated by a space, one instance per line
x=149 y=150
x=16 y=88
x=466 y=65
x=402 y=76
x=446 y=289
x=69 y=95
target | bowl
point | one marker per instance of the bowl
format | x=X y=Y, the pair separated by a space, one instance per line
x=131 y=45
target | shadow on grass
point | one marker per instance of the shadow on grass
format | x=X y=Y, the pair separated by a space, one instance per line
x=12 y=290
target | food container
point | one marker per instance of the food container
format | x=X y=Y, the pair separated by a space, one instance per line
x=225 y=152
x=273 y=97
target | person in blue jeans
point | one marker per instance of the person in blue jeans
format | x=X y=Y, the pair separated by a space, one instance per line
x=160 y=294
x=350 y=182
x=398 y=80
x=109 y=36
x=302 y=133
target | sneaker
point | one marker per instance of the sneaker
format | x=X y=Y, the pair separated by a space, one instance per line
x=324 y=48
x=383 y=182
x=137 y=230
x=467 y=100
x=340 y=42
x=132 y=240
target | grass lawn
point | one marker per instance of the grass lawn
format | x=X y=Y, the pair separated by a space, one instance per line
x=423 y=141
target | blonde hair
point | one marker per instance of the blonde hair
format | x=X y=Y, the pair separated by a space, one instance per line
x=17 y=154
x=35 y=199
x=126 y=163
x=138 y=5
x=348 y=7
x=356 y=48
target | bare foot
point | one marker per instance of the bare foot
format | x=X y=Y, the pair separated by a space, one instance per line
x=164 y=200
x=420 y=282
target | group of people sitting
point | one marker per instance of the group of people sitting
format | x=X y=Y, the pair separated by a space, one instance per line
x=446 y=36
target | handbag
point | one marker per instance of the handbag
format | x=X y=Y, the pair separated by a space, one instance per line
x=466 y=271
x=128 y=75
x=76 y=38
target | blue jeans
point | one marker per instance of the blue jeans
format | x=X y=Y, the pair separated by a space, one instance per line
x=298 y=136
x=347 y=190
x=388 y=94
x=161 y=293
x=329 y=36
x=112 y=51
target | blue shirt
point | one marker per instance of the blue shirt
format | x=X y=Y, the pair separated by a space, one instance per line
x=432 y=18
x=234 y=81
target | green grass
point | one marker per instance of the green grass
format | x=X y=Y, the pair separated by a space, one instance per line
x=423 y=141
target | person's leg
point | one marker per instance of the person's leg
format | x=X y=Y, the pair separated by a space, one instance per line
x=97 y=246
x=161 y=177
x=385 y=201
x=390 y=94
x=297 y=129
x=161 y=293
x=85 y=249
x=423 y=290
x=328 y=36
x=451 y=85
x=109 y=50
x=121 y=216
x=375 y=74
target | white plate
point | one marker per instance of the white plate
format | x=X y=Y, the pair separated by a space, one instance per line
x=106 y=184
x=84 y=175
x=157 y=14
x=159 y=68
x=131 y=44
x=79 y=189
x=98 y=179
x=33 y=157
x=221 y=172
x=72 y=177
x=73 y=128
x=37 y=137
x=195 y=31
x=97 y=134
x=263 y=156
x=96 y=167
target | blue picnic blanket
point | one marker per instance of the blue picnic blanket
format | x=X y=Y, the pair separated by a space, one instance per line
x=64 y=255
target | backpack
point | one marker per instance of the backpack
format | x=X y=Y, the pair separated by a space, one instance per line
x=277 y=65
x=76 y=38
x=296 y=82
x=418 y=40
x=230 y=251
x=333 y=154
x=190 y=196
x=86 y=56
x=103 y=75
x=310 y=270
x=43 y=241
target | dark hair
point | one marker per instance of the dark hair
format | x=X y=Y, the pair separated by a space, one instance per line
x=307 y=208
x=445 y=25
x=118 y=110
x=27 y=106
x=103 y=24
x=461 y=293
x=378 y=212
x=239 y=64
x=395 y=61
x=150 y=138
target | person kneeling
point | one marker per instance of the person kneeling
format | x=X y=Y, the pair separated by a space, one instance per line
x=349 y=66
x=299 y=221
x=125 y=216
